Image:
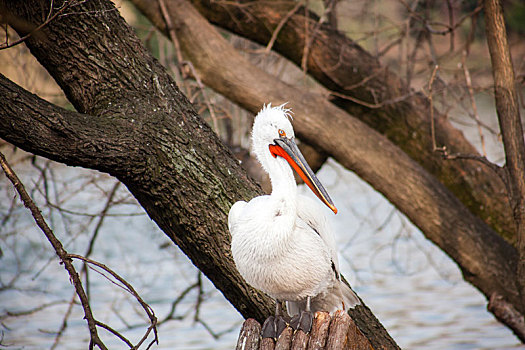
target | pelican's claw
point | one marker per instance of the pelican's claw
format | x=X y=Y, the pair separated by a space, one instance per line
x=303 y=321
x=273 y=327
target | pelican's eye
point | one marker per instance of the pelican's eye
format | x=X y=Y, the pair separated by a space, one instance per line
x=282 y=133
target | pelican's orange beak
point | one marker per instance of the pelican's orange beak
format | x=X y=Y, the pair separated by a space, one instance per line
x=287 y=148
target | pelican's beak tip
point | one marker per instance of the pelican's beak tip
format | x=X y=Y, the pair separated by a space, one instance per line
x=334 y=209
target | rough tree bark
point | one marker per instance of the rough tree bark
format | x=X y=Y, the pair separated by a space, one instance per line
x=135 y=124
x=374 y=158
x=375 y=95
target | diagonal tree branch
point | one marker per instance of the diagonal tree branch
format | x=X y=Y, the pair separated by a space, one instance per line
x=368 y=90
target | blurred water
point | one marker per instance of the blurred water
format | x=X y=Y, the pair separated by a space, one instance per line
x=412 y=287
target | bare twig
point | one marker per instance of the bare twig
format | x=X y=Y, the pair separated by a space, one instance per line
x=64 y=322
x=59 y=249
x=468 y=81
x=66 y=259
x=431 y=107
x=460 y=156
x=31 y=311
x=309 y=38
x=280 y=26
x=443 y=149
x=451 y=24
x=129 y=288
x=84 y=271
x=448 y=26
x=117 y=334
x=198 y=304
x=176 y=302
x=390 y=45
x=207 y=101
x=200 y=298
x=171 y=30
x=330 y=12
x=49 y=18
x=102 y=215
x=374 y=105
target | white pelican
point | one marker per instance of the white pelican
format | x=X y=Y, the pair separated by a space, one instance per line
x=282 y=243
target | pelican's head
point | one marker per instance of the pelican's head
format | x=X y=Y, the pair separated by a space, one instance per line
x=269 y=124
x=273 y=136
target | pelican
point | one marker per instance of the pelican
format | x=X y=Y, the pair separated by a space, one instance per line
x=282 y=243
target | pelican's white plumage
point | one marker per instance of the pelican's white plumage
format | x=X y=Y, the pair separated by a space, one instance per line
x=282 y=243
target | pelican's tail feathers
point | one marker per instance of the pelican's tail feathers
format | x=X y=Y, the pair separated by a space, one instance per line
x=350 y=299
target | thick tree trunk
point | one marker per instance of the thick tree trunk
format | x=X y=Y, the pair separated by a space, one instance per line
x=486 y=260
x=376 y=96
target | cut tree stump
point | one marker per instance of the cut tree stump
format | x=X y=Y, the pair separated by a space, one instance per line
x=328 y=332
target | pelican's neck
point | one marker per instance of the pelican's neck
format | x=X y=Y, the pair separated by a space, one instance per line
x=284 y=187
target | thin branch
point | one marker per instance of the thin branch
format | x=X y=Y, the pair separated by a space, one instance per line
x=281 y=24
x=176 y=302
x=64 y=322
x=373 y=105
x=197 y=318
x=66 y=259
x=207 y=101
x=460 y=156
x=149 y=311
x=448 y=27
x=200 y=298
x=431 y=107
x=170 y=30
x=59 y=249
x=468 y=81
x=390 y=45
x=31 y=311
x=116 y=333
x=84 y=271
x=443 y=149
x=451 y=24
x=49 y=18
x=102 y=215
x=308 y=41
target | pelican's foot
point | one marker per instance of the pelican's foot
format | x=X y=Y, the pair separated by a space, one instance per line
x=303 y=321
x=273 y=327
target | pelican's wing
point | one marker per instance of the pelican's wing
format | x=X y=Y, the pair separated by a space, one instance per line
x=312 y=214
x=234 y=215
